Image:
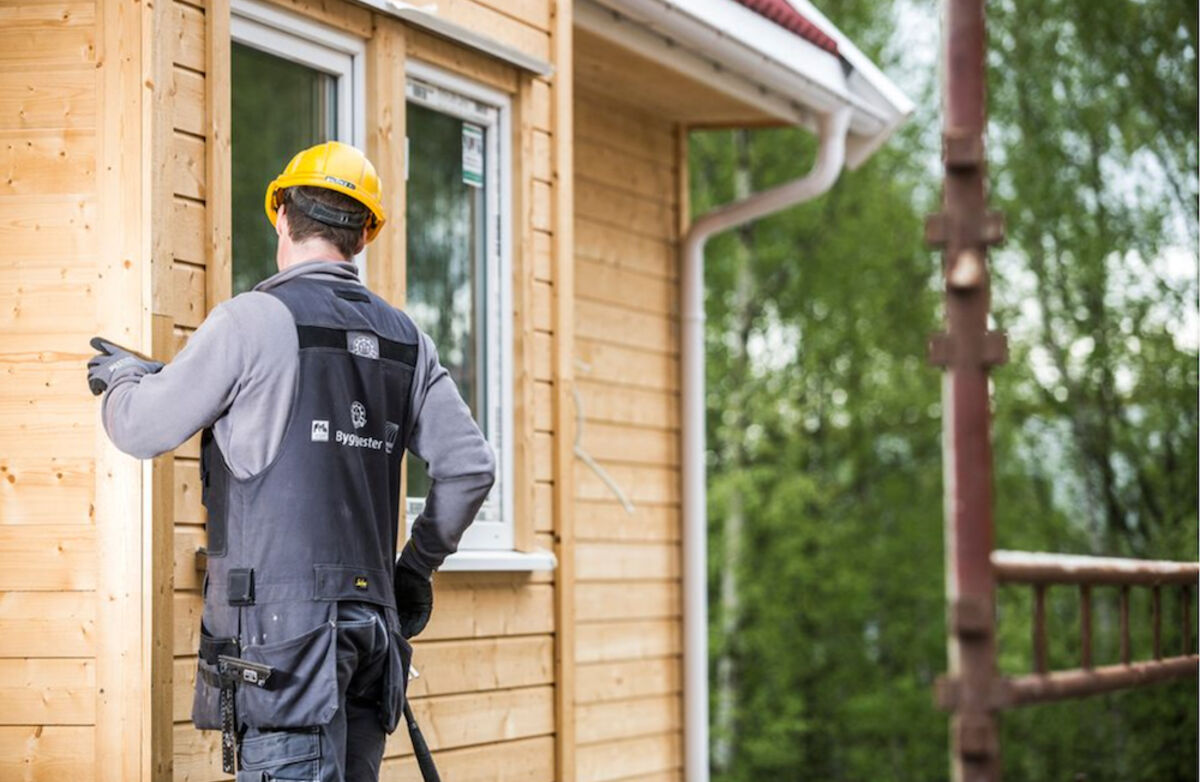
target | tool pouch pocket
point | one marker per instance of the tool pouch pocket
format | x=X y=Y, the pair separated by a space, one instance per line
x=302 y=690
x=206 y=702
x=395 y=680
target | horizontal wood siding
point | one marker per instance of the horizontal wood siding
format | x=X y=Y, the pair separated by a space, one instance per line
x=628 y=605
x=48 y=535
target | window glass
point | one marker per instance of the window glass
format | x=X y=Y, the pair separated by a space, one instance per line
x=446 y=254
x=279 y=107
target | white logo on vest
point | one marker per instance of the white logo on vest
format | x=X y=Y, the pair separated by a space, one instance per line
x=358 y=415
x=362 y=343
x=320 y=431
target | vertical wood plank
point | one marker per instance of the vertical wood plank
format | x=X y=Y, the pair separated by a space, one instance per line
x=523 y=317
x=126 y=83
x=158 y=589
x=157 y=544
x=385 y=147
x=219 y=162
x=563 y=220
x=158 y=208
x=386 y=264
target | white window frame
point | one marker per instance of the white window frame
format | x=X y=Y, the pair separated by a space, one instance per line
x=299 y=39
x=428 y=85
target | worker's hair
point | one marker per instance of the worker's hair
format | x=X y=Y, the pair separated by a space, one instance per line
x=301 y=226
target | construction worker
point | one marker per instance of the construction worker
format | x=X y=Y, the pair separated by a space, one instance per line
x=308 y=390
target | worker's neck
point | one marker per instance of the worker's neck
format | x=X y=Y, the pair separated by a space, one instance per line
x=312 y=249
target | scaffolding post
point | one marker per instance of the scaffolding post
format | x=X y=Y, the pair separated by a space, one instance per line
x=967 y=350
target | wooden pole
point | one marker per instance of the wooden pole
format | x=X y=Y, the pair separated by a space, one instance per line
x=1125 y=651
x=1039 y=628
x=1085 y=626
x=964 y=228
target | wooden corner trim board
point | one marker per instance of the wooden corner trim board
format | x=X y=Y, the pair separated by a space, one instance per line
x=158 y=593
x=524 y=327
x=127 y=85
x=218 y=162
x=564 y=363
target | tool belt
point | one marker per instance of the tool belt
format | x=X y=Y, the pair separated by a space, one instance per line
x=232 y=672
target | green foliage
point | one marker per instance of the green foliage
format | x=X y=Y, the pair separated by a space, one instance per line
x=824 y=418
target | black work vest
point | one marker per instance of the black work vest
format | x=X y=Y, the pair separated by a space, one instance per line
x=320 y=523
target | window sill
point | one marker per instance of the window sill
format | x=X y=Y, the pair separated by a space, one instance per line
x=512 y=561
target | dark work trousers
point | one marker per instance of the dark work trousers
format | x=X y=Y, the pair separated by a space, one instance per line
x=350 y=747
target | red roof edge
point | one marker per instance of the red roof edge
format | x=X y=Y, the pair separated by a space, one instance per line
x=783 y=14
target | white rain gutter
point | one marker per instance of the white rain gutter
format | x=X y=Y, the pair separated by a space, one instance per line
x=831 y=156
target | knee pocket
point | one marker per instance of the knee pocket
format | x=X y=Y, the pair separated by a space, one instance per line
x=281 y=756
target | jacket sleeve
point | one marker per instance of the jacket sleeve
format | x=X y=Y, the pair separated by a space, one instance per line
x=462 y=465
x=149 y=414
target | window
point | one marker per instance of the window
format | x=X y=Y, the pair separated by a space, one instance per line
x=295 y=83
x=458 y=267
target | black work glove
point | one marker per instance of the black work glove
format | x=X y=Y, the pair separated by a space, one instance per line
x=113 y=358
x=414 y=599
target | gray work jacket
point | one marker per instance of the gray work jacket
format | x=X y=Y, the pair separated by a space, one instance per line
x=238 y=374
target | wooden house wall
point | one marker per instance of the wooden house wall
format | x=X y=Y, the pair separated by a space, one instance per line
x=114 y=219
x=49 y=120
x=628 y=604
x=78 y=673
x=486 y=697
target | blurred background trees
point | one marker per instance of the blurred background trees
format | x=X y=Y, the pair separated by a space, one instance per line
x=825 y=504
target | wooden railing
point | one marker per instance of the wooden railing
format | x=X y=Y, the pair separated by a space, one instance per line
x=1042 y=571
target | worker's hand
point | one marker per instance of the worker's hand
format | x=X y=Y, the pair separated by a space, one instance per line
x=112 y=359
x=414 y=599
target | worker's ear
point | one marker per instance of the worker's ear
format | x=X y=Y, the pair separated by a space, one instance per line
x=362 y=242
x=281 y=221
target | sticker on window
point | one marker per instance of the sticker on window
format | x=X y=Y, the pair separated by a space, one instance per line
x=472 y=155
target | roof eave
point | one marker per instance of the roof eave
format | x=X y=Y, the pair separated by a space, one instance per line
x=802 y=77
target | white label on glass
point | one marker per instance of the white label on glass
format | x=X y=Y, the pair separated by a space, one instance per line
x=472 y=154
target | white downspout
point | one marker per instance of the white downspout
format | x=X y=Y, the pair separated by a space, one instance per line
x=832 y=128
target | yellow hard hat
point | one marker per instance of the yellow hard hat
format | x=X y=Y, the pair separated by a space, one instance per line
x=334 y=166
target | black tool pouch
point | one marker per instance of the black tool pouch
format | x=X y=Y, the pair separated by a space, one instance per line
x=304 y=687
x=206 y=703
x=395 y=680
